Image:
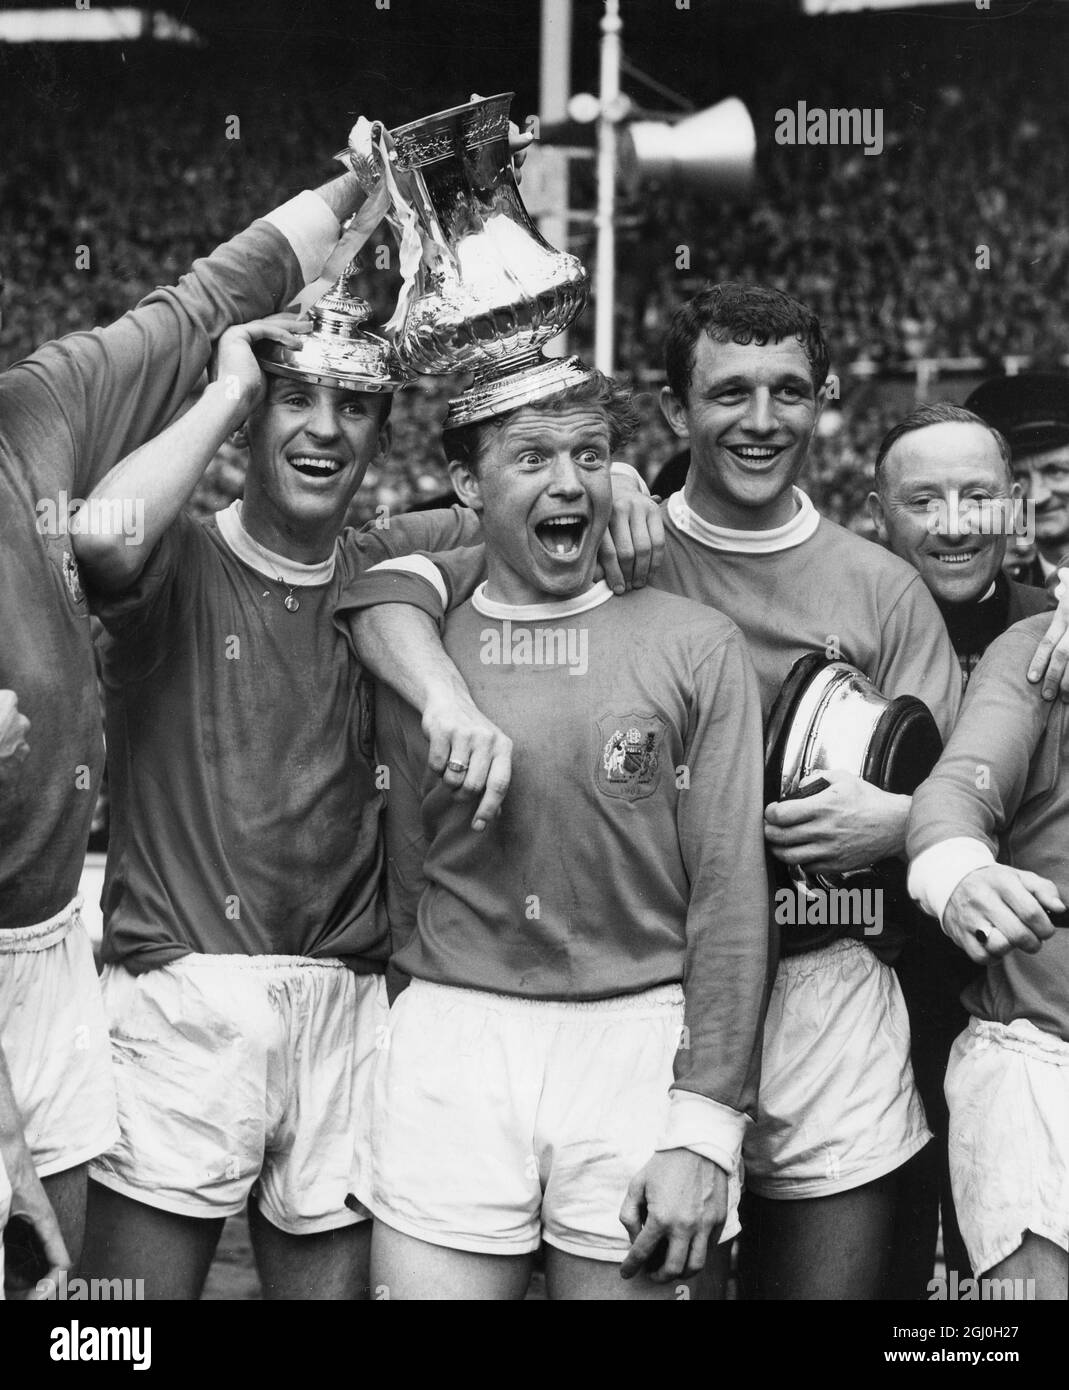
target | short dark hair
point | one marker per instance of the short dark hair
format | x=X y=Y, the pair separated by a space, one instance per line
x=739 y=313
x=938 y=413
x=465 y=443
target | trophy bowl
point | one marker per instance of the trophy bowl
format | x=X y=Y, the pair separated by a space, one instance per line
x=488 y=291
x=340 y=351
x=829 y=715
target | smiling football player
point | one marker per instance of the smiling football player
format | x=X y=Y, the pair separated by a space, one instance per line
x=588 y=977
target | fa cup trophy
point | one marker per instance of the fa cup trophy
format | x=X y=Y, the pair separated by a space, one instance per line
x=482 y=290
x=339 y=351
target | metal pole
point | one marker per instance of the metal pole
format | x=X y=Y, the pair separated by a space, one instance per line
x=554 y=89
x=605 y=267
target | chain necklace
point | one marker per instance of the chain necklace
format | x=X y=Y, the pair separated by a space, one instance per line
x=290 y=603
x=230 y=521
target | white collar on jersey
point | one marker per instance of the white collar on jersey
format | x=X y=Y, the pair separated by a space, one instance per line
x=264 y=561
x=800 y=527
x=523 y=612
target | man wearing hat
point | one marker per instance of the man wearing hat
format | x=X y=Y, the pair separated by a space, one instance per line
x=1032 y=411
x=587 y=978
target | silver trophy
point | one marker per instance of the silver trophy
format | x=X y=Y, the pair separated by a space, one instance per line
x=339 y=351
x=483 y=290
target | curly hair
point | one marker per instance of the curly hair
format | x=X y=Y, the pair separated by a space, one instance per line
x=734 y=312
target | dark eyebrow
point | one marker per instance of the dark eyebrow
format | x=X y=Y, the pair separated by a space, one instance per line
x=729 y=383
x=736 y=383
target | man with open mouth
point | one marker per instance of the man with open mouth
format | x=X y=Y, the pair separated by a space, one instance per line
x=746 y=374
x=585 y=982
x=245 y=935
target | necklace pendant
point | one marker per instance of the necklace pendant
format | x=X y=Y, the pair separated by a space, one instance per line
x=290 y=603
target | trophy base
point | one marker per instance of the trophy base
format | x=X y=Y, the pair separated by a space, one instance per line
x=503 y=389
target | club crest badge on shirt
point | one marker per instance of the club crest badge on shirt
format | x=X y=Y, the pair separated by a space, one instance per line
x=629 y=759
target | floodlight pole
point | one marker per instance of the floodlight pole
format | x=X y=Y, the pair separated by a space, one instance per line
x=605 y=265
x=555 y=87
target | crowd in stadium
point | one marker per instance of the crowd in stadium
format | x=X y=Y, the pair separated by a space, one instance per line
x=884 y=248
x=735 y=969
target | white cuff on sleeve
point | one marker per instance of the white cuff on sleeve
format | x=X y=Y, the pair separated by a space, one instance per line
x=310 y=228
x=938 y=870
x=416 y=564
x=705 y=1127
x=624 y=470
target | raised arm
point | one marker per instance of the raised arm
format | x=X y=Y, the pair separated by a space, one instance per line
x=154 y=483
x=78 y=405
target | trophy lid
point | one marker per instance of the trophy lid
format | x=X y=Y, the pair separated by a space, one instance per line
x=529 y=383
x=339 y=351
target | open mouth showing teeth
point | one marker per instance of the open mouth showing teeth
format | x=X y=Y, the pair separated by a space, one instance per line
x=956 y=557
x=562 y=536
x=312 y=467
x=755 y=453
